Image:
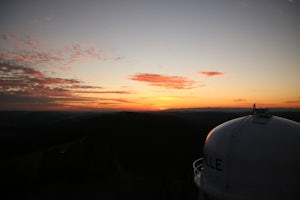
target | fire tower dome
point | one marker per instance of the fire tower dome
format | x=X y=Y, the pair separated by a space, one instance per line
x=252 y=157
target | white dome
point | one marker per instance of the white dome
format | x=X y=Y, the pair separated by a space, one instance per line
x=252 y=157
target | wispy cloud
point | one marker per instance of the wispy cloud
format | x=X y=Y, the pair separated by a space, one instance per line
x=26 y=79
x=245 y=3
x=86 y=103
x=22 y=85
x=170 y=82
x=104 y=92
x=26 y=102
x=41 y=21
x=292 y=1
x=240 y=100
x=31 y=51
x=160 y=46
x=22 y=41
x=84 y=87
x=11 y=70
x=292 y=102
x=23 y=80
x=6 y=37
x=119 y=100
x=211 y=73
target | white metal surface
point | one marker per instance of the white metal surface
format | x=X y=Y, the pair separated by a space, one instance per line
x=251 y=157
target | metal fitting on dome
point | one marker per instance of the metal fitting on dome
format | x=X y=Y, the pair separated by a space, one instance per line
x=261 y=112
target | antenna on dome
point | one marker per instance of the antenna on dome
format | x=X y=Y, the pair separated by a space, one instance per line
x=254 y=108
x=262 y=112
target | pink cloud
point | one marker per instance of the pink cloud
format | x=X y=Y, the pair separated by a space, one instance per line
x=22 y=41
x=6 y=56
x=28 y=87
x=211 y=73
x=170 y=82
x=28 y=81
x=21 y=79
x=29 y=42
x=5 y=37
x=24 y=71
x=54 y=81
x=49 y=92
x=292 y=1
x=31 y=51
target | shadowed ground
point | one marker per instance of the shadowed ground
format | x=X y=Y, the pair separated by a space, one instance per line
x=125 y=155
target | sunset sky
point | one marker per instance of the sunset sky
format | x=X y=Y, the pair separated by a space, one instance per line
x=149 y=54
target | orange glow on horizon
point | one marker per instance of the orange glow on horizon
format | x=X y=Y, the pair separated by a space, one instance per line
x=142 y=107
x=165 y=103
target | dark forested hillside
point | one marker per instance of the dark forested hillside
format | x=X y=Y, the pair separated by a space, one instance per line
x=122 y=155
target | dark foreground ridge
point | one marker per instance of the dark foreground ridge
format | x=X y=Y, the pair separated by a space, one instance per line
x=124 y=155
